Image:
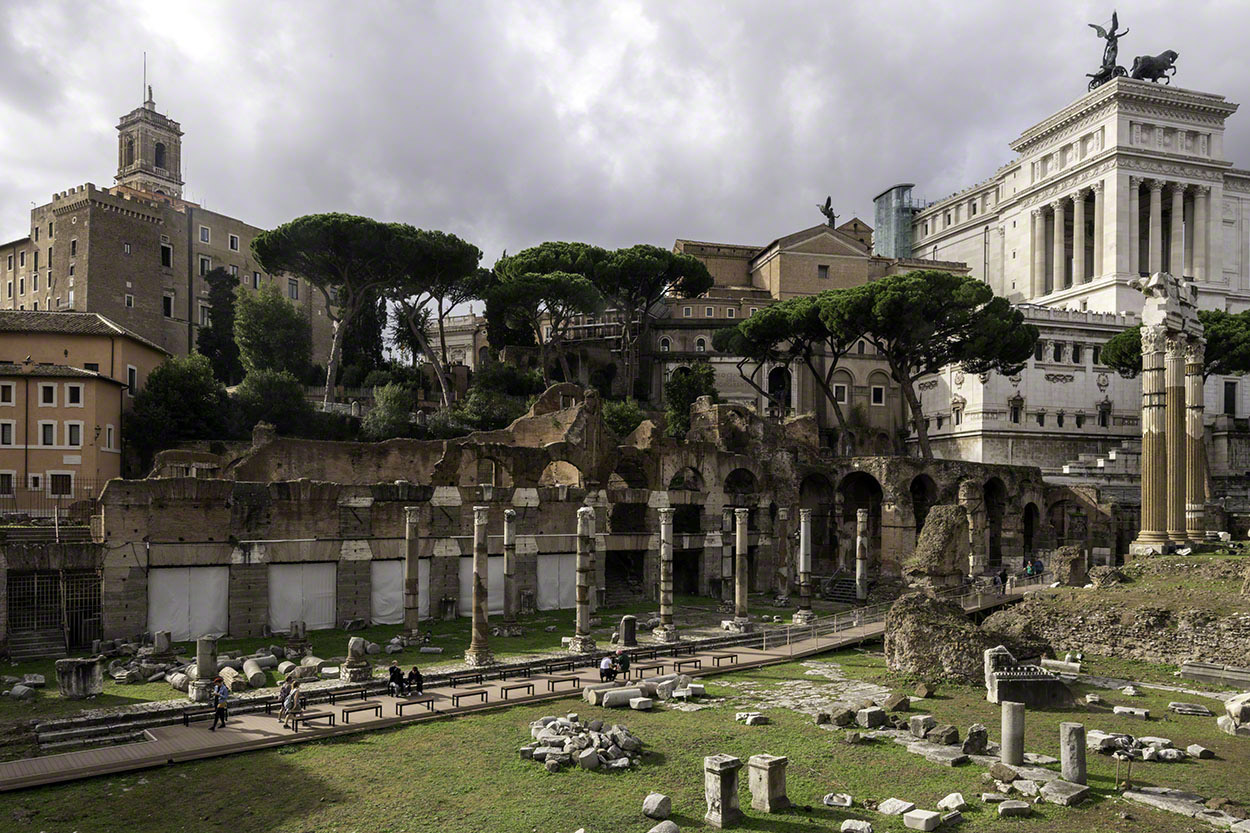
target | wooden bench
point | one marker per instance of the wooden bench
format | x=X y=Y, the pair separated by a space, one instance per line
x=428 y=702
x=555 y=681
x=268 y=703
x=305 y=717
x=682 y=663
x=528 y=687
x=349 y=692
x=644 y=653
x=560 y=665
x=476 y=692
x=376 y=708
x=639 y=671
x=717 y=659
x=474 y=677
x=196 y=713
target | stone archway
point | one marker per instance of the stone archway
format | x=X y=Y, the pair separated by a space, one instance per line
x=859 y=490
x=995 y=511
x=924 y=494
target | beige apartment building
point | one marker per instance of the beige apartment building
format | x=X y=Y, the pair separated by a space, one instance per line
x=137 y=252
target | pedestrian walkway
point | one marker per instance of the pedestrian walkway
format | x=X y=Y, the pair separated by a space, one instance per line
x=174 y=744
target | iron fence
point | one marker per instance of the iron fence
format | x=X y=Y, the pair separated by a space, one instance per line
x=54 y=500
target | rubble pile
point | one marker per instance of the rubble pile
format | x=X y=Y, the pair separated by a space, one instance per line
x=567 y=741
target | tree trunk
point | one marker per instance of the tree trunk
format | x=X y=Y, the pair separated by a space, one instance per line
x=563 y=359
x=332 y=366
x=442 y=335
x=424 y=344
x=917 y=414
x=824 y=382
x=542 y=362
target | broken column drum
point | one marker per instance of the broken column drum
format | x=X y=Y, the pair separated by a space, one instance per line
x=200 y=689
x=666 y=632
x=479 y=652
x=1072 y=752
x=720 y=788
x=1012 y=742
x=511 y=590
x=581 y=642
x=861 y=554
x=804 y=615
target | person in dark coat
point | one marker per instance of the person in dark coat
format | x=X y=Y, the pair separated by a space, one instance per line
x=415 y=681
x=398 y=685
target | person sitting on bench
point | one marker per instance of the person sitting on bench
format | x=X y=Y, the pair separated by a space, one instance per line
x=607 y=670
x=415 y=681
x=398 y=686
x=292 y=705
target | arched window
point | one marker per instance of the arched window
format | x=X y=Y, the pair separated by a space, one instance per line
x=700 y=345
x=160 y=155
x=665 y=345
x=130 y=153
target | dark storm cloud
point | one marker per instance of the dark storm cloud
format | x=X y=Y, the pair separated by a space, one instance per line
x=513 y=123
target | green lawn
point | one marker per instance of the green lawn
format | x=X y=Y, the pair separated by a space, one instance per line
x=465 y=774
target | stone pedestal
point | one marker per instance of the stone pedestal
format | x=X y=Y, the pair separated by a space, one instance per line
x=296 y=641
x=628 y=630
x=581 y=642
x=666 y=632
x=720 y=788
x=1072 y=752
x=861 y=554
x=803 y=617
x=1012 y=742
x=79 y=678
x=200 y=689
x=356 y=671
x=162 y=646
x=479 y=652
x=736 y=625
x=766 y=775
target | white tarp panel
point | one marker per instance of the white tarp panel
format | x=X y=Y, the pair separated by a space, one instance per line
x=557 y=581
x=387 y=589
x=423 y=596
x=189 y=602
x=494 y=586
x=302 y=592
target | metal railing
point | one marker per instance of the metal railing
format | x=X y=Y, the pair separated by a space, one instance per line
x=54 y=502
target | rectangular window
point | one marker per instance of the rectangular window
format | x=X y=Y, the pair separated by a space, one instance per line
x=940 y=420
x=108 y=436
x=60 y=484
x=92 y=366
x=21 y=285
x=753 y=310
x=234 y=270
x=73 y=395
x=206 y=265
x=47 y=433
x=686 y=312
x=878 y=395
x=839 y=394
x=256 y=280
x=73 y=434
x=6 y=393
x=36 y=482
x=36 y=264
x=234 y=242
x=1104 y=418
x=708 y=312
x=9 y=289
x=1041 y=419
x=167 y=306
x=1094 y=354
x=10 y=263
x=6 y=483
x=6 y=432
x=21 y=259
x=130 y=300
x=1080 y=420
x=205 y=235
x=47 y=395
x=1015 y=414
x=125 y=248
x=957 y=417
x=204 y=318
x=167 y=255
x=132 y=379
x=1076 y=354
x=731 y=313
x=73 y=248
x=34 y=282
x=1057 y=352
x=1230 y=398
x=822 y=272
x=292 y=289
x=1059 y=419
x=71 y=270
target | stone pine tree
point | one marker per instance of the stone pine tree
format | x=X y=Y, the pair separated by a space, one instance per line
x=925 y=320
x=347 y=258
x=216 y=341
x=1227 y=351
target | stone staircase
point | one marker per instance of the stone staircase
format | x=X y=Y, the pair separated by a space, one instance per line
x=1119 y=465
x=28 y=645
x=620 y=593
x=841 y=588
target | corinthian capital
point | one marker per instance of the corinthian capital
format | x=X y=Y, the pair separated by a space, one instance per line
x=1154 y=339
x=1155 y=185
x=1195 y=348
x=1134 y=181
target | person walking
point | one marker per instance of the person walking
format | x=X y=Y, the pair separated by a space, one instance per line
x=221 y=695
x=283 y=693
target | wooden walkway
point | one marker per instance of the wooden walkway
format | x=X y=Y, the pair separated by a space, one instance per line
x=173 y=744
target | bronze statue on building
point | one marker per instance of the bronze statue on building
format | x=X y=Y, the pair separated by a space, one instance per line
x=1110 y=54
x=827 y=210
x=1155 y=67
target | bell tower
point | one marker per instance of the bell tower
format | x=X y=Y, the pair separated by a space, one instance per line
x=149 y=151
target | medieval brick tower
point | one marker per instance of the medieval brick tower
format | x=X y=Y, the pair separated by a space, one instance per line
x=149 y=151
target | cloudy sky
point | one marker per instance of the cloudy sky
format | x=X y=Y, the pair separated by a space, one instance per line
x=510 y=123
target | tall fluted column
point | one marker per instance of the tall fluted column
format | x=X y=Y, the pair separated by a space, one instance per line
x=511 y=590
x=666 y=632
x=1177 y=260
x=1099 y=215
x=741 y=568
x=1174 y=385
x=1078 y=237
x=1155 y=262
x=1134 y=226
x=479 y=652
x=1195 y=442
x=1039 y=253
x=1059 y=265
x=581 y=642
x=1202 y=232
x=1153 y=534
x=804 y=614
x=412 y=573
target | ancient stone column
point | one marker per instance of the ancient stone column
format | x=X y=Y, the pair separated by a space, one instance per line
x=582 y=643
x=666 y=632
x=511 y=590
x=804 y=615
x=1099 y=215
x=200 y=689
x=720 y=788
x=1078 y=237
x=727 y=554
x=1195 y=442
x=1072 y=752
x=1174 y=435
x=479 y=652
x=412 y=573
x=1134 y=224
x=766 y=776
x=1059 y=255
x=1153 y=534
x=861 y=554
x=629 y=631
x=1202 y=197
x=1039 y=253
x=1012 y=744
x=1155 y=261
x=741 y=568
x=1177 y=242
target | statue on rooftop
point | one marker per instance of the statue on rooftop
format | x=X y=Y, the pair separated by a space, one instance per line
x=1155 y=67
x=827 y=210
x=1110 y=54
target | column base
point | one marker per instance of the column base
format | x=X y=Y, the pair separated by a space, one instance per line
x=200 y=691
x=581 y=645
x=803 y=617
x=1148 y=546
x=479 y=657
x=356 y=673
x=666 y=634
x=737 y=625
